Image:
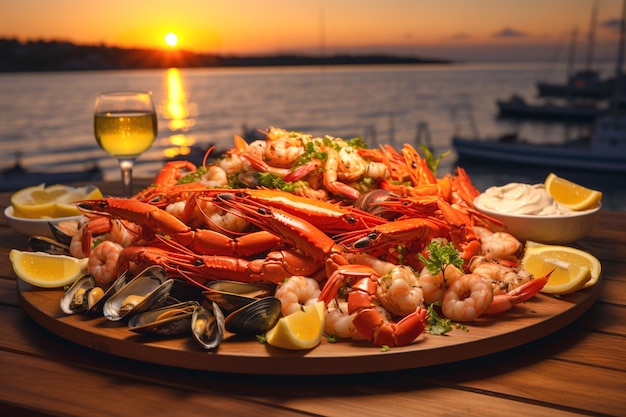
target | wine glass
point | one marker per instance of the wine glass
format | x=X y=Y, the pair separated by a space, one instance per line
x=125 y=125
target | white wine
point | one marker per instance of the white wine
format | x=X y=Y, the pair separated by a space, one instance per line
x=125 y=134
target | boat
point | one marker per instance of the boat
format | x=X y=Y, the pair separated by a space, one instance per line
x=583 y=84
x=597 y=153
x=18 y=177
x=586 y=83
x=570 y=111
x=604 y=150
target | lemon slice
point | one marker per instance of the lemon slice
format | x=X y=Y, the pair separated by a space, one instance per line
x=573 y=268
x=300 y=330
x=40 y=202
x=65 y=205
x=47 y=271
x=571 y=195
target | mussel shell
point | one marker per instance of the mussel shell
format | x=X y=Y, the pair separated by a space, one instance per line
x=59 y=235
x=150 y=283
x=84 y=282
x=48 y=245
x=115 y=287
x=209 y=337
x=179 y=322
x=371 y=203
x=233 y=295
x=255 y=318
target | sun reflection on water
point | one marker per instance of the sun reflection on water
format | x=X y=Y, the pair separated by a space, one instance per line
x=180 y=116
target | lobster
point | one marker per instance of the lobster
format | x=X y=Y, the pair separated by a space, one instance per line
x=159 y=222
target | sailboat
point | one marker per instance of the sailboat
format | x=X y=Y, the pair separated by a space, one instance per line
x=603 y=151
x=585 y=83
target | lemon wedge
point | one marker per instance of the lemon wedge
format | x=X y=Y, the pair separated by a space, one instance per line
x=47 y=271
x=300 y=330
x=573 y=268
x=571 y=195
x=40 y=202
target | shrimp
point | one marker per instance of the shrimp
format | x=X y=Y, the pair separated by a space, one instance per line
x=399 y=291
x=295 y=292
x=331 y=177
x=398 y=287
x=221 y=220
x=504 y=278
x=282 y=148
x=498 y=245
x=504 y=302
x=339 y=323
x=350 y=165
x=124 y=233
x=103 y=262
x=467 y=298
x=119 y=231
x=214 y=177
x=381 y=267
x=435 y=286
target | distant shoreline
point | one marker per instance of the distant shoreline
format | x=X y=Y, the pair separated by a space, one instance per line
x=44 y=56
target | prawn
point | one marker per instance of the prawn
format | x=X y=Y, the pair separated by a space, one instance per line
x=331 y=177
x=398 y=288
x=282 y=148
x=498 y=245
x=339 y=323
x=295 y=292
x=504 y=302
x=467 y=298
x=399 y=291
x=435 y=286
x=504 y=277
x=102 y=262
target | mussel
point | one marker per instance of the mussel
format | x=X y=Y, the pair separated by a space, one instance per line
x=60 y=232
x=233 y=295
x=373 y=202
x=170 y=320
x=117 y=284
x=81 y=296
x=48 y=245
x=207 y=326
x=255 y=318
x=148 y=290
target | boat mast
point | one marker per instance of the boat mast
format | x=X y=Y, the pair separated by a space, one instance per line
x=619 y=77
x=591 y=36
x=572 y=53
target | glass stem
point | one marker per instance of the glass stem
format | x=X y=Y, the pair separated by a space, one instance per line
x=126 y=166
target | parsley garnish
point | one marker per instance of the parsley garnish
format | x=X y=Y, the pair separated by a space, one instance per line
x=435 y=324
x=441 y=255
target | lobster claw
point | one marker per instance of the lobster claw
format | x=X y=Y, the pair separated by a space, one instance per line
x=373 y=327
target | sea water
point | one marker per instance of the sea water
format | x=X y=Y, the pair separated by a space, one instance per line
x=46 y=119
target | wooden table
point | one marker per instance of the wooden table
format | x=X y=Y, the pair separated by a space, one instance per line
x=578 y=370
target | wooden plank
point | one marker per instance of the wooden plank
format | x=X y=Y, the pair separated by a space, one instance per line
x=606 y=318
x=8 y=292
x=63 y=389
x=588 y=387
x=171 y=392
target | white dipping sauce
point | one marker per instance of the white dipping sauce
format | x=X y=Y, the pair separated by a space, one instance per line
x=517 y=198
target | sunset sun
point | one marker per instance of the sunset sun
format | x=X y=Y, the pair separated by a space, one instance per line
x=171 y=39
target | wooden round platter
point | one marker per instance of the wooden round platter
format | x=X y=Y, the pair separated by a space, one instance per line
x=526 y=322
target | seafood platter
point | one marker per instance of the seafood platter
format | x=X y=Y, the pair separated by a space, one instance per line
x=198 y=268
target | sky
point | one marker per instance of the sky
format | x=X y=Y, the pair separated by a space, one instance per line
x=455 y=29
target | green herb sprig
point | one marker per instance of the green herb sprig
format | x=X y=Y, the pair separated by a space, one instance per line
x=440 y=255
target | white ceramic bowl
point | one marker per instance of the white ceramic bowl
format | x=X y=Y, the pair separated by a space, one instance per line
x=554 y=229
x=34 y=227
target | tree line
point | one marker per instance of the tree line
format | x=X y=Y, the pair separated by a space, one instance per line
x=40 y=55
